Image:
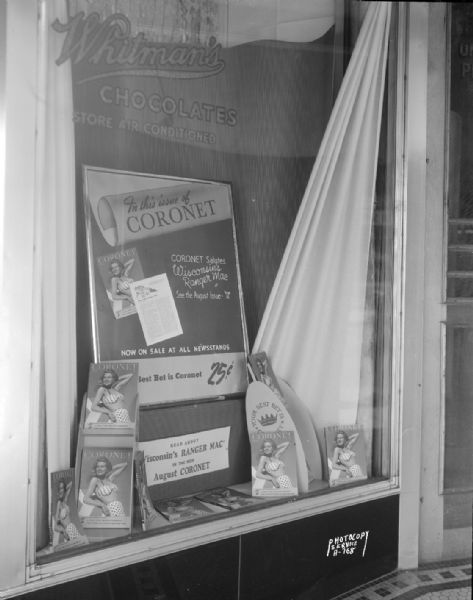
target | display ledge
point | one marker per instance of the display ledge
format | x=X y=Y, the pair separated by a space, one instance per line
x=104 y=556
x=317 y=488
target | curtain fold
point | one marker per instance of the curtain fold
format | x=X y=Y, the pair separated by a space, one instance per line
x=56 y=243
x=313 y=324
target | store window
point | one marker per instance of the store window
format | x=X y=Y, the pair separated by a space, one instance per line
x=220 y=207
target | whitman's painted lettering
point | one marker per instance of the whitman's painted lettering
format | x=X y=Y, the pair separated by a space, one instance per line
x=110 y=43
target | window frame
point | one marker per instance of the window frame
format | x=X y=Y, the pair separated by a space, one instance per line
x=22 y=415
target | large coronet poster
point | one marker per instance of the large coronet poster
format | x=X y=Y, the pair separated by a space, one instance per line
x=165 y=285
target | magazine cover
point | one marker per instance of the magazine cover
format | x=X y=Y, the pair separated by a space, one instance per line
x=227 y=498
x=274 y=463
x=66 y=528
x=117 y=271
x=346 y=454
x=111 y=403
x=166 y=249
x=260 y=369
x=184 y=508
x=267 y=414
x=105 y=488
x=261 y=372
x=150 y=518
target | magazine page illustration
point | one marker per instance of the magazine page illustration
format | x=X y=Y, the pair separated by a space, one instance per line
x=66 y=528
x=346 y=454
x=227 y=498
x=156 y=309
x=274 y=463
x=111 y=403
x=105 y=488
x=184 y=508
x=165 y=283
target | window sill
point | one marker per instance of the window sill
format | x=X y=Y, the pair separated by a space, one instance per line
x=173 y=538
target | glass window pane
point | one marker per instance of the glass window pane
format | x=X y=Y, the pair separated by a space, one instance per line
x=230 y=99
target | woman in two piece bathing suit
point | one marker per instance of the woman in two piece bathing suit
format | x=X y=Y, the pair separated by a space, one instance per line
x=109 y=400
x=63 y=523
x=103 y=491
x=270 y=467
x=343 y=456
x=120 y=282
x=265 y=377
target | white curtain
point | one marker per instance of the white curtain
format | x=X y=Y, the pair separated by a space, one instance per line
x=55 y=237
x=314 y=323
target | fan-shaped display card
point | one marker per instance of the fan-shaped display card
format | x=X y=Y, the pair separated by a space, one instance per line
x=303 y=422
x=265 y=413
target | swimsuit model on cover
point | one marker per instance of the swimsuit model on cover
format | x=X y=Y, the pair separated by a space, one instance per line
x=103 y=491
x=344 y=458
x=120 y=281
x=270 y=467
x=63 y=523
x=109 y=400
x=265 y=375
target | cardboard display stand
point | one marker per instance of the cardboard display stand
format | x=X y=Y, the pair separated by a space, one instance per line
x=105 y=451
x=194 y=446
